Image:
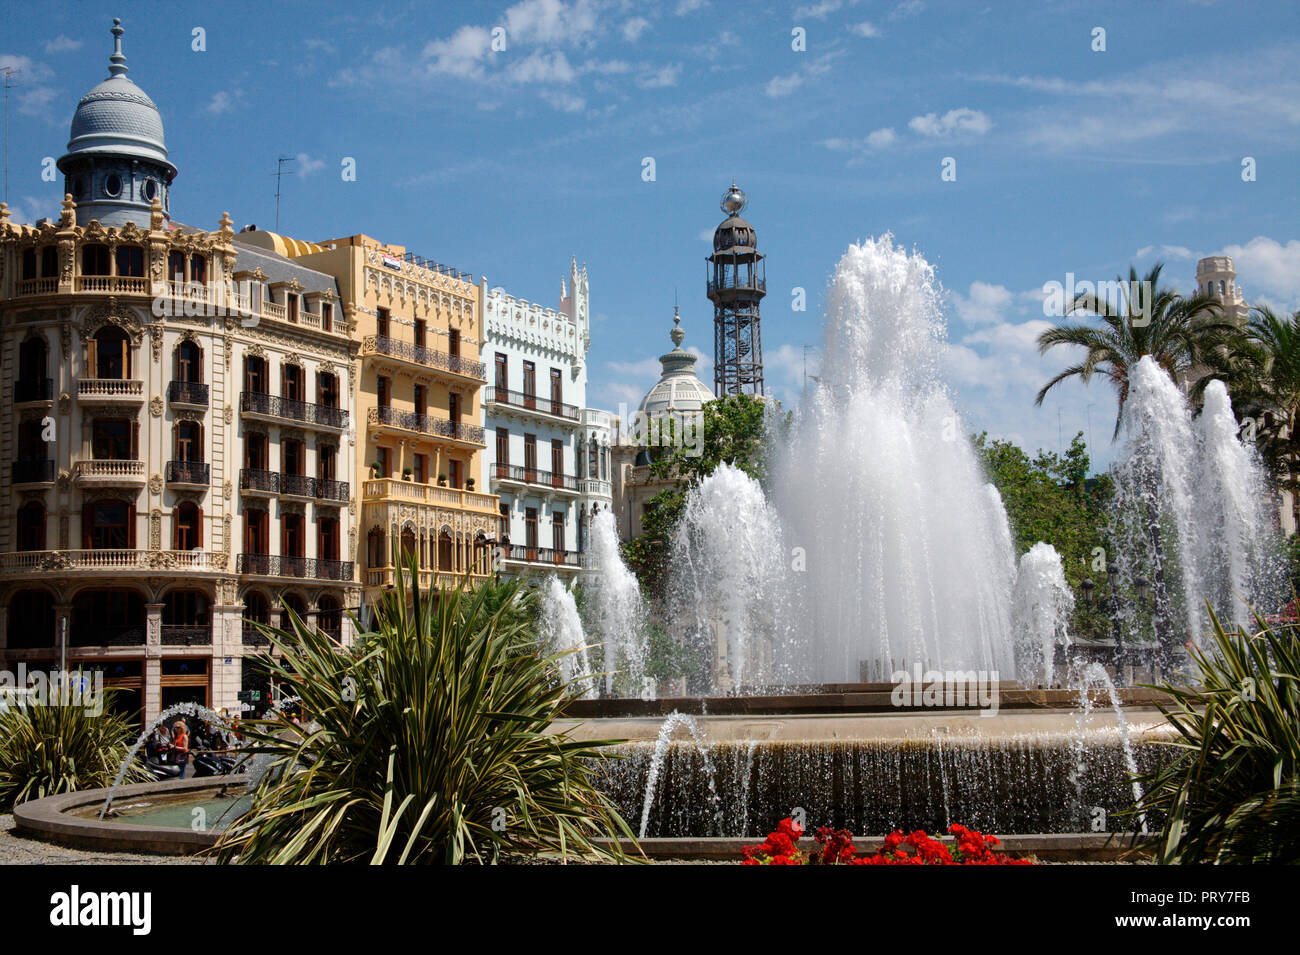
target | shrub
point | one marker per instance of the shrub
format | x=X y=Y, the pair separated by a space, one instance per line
x=429 y=742
x=1233 y=795
x=48 y=749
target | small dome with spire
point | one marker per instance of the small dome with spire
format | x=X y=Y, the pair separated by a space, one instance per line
x=117 y=156
x=678 y=389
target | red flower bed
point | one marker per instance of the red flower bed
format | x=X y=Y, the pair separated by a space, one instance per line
x=835 y=847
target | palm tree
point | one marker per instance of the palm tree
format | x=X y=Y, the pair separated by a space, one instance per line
x=1176 y=332
x=1261 y=367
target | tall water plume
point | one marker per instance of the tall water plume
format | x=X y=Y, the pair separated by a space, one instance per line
x=561 y=628
x=618 y=612
x=907 y=548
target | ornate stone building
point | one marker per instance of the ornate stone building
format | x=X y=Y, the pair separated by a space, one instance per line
x=418 y=373
x=160 y=490
x=548 y=457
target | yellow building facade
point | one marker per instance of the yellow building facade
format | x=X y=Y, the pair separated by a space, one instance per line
x=418 y=334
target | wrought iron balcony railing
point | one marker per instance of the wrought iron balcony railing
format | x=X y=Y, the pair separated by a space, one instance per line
x=426 y=424
x=518 y=399
x=35 y=389
x=188 y=472
x=252 y=479
x=274 y=565
x=273 y=406
x=186 y=635
x=513 y=472
x=33 y=471
x=422 y=355
x=187 y=393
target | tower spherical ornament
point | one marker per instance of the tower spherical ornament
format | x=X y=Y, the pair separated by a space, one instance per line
x=733 y=200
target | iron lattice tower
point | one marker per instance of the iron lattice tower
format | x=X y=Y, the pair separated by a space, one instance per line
x=737 y=282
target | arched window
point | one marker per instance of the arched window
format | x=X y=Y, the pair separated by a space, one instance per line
x=257 y=608
x=31 y=526
x=295 y=603
x=111 y=353
x=408 y=546
x=444 y=552
x=189 y=441
x=376 y=551
x=189 y=362
x=1222 y=287
x=94 y=260
x=198 y=269
x=185 y=608
x=187 y=526
x=176 y=266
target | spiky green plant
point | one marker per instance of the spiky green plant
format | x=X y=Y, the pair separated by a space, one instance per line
x=48 y=749
x=429 y=742
x=1233 y=794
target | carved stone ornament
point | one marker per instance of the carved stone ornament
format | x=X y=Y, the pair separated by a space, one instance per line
x=155 y=484
x=156 y=406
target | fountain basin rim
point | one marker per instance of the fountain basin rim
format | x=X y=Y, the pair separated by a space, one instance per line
x=50 y=819
x=47 y=819
x=845 y=698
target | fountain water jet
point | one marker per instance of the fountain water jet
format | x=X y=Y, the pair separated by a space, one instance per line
x=561 y=628
x=618 y=608
x=1043 y=602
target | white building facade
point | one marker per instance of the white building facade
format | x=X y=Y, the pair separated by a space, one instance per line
x=547 y=454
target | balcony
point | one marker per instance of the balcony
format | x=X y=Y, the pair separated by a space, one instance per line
x=322 y=489
x=424 y=357
x=117 y=284
x=429 y=579
x=194 y=473
x=386 y=489
x=313 y=568
x=426 y=424
x=109 y=473
x=541 y=555
x=107 y=635
x=533 y=404
x=191 y=394
x=594 y=487
x=31 y=562
x=38 y=286
x=32 y=471
x=274 y=408
x=37 y=389
x=254 y=481
x=252 y=637
x=738 y=288
x=186 y=635
x=534 y=478
x=111 y=390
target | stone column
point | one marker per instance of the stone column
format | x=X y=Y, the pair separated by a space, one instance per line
x=62 y=629
x=152 y=662
x=227 y=644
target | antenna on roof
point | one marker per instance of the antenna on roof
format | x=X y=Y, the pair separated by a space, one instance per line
x=279 y=170
x=8 y=71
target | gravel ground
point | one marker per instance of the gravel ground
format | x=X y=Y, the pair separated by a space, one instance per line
x=19 y=850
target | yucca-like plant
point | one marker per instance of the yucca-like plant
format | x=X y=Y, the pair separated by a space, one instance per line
x=429 y=742
x=1233 y=795
x=48 y=749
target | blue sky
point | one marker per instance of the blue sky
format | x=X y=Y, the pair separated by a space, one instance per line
x=506 y=163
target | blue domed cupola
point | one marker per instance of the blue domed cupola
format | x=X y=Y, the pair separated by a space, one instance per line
x=116 y=164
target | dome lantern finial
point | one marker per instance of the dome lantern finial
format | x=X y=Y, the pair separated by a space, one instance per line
x=733 y=201
x=677 y=334
x=117 y=62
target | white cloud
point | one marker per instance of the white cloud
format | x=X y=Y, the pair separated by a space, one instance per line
x=307 y=165
x=539 y=67
x=62 y=44
x=864 y=29
x=461 y=54
x=319 y=45
x=1269 y=267
x=985 y=304
x=881 y=138
x=633 y=28
x=1166 y=252
x=564 y=102
x=550 y=21
x=221 y=102
x=818 y=11
x=961 y=120
x=664 y=76
x=686 y=7
x=783 y=85
x=908 y=8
